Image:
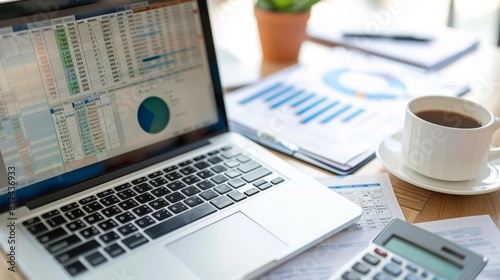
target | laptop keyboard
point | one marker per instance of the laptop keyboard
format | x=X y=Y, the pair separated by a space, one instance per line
x=103 y=226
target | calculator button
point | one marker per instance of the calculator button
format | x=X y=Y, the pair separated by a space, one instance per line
x=412 y=277
x=350 y=276
x=392 y=269
x=381 y=276
x=411 y=267
x=380 y=252
x=371 y=259
x=397 y=260
x=361 y=268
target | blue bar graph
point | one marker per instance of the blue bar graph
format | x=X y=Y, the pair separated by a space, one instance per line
x=309 y=107
x=286 y=99
x=353 y=115
x=279 y=93
x=260 y=93
x=334 y=115
x=301 y=101
x=313 y=116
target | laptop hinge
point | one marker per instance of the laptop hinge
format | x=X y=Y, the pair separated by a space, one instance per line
x=43 y=200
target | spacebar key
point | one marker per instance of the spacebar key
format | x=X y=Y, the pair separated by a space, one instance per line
x=179 y=221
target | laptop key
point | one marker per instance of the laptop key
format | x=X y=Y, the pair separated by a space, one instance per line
x=232 y=174
x=215 y=160
x=128 y=204
x=218 y=168
x=125 y=217
x=31 y=221
x=51 y=235
x=259 y=182
x=204 y=174
x=107 y=225
x=142 y=210
x=105 y=193
x=213 y=153
x=50 y=214
x=144 y=198
x=175 y=186
x=144 y=187
x=257 y=174
x=135 y=241
x=193 y=201
x=95 y=259
x=209 y=194
x=172 y=176
x=205 y=185
x=161 y=191
x=109 y=237
x=231 y=153
x=176 y=222
x=198 y=158
x=92 y=207
x=75 y=214
x=93 y=218
x=160 y=181
x=37 y=228
x=139 y=180
x=77 y=251
x=219 y=179
x=236 y=183
x=247 y=167
x=155 y=174
x=161 y=214
x=56 y=221
x=158 y=203
x=75 y=268
x=221 y=202
x=184 y=163
x=189 y=191
x=251 y=191
x=277 y=180
x=222 y=189
x=127 y=229
x=144 y=222
x=110 y=200
x=111 y=211
x=243 y=158
x=174 y=197
x=264 y=186
x=126 y=194
x=201 y=165
x=123 y=187
x=170 y=168
x=76 y=225
x=87 y=200
x=236 y=196
x=188 y=170
x=191 y=179
x=63 y=244
x=177 y=208
x=114 y=250
x=89 y=232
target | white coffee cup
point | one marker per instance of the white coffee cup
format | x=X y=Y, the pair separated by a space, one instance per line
x=445 y=151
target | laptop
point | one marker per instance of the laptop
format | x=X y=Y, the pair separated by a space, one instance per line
x=116 y=161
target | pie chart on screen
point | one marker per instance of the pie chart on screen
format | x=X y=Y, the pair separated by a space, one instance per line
x=153 y=115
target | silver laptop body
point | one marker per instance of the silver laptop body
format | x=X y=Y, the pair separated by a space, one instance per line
x=115 y=157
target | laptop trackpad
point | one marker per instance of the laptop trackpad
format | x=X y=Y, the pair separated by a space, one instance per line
x=227 y=248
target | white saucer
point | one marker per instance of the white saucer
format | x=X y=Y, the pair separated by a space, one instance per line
x=389 y=154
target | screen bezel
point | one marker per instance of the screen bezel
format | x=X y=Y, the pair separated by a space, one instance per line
x=63 y=185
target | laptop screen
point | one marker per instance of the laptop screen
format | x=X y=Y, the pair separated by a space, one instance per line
x=92 y=86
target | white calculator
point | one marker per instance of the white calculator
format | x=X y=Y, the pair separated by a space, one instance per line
x=406 y=252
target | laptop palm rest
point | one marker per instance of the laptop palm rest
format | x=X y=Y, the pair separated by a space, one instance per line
x=210 y=252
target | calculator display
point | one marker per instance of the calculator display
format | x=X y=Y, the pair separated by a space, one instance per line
x=423 y=257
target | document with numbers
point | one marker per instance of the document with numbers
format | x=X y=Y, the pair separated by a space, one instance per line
x=476 y=233
x=375 y=195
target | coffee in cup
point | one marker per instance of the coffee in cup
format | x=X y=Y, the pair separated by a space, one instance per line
x=448 y=138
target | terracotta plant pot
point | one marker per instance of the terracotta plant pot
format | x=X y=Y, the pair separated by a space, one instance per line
x=281 y=34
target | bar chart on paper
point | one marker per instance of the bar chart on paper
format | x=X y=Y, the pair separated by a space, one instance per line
x=336 y=112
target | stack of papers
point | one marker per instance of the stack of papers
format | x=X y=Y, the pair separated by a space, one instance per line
x=333 y=113
x=445 y=45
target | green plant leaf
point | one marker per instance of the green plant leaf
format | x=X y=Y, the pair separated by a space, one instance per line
x=286 y=5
